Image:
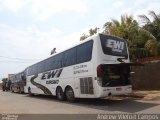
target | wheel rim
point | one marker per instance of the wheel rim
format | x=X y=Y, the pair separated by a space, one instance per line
x=59 y=93
x=70 y=94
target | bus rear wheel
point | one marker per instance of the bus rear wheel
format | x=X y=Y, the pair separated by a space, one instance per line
x=60 y=94
x=70 y=94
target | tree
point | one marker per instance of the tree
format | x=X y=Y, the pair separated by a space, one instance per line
x=151 y=46
x=108 y=28
x=92 y=31
x=83 y=37
x=153 y=27
x=124 y=28
x=129 y=29
x=143 y=41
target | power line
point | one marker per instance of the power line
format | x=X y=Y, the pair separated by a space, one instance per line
x=15 y=61
x=19 y=58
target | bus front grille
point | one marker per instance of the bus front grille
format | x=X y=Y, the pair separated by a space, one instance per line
x=86 y=85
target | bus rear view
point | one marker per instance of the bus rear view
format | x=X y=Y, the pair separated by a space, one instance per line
x=113 y=68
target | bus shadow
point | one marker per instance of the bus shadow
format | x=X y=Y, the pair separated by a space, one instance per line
x=129 y=105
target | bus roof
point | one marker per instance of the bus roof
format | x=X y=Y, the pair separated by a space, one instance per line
x=81 y=42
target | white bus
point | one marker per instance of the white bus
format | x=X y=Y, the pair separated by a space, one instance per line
x=96 y=68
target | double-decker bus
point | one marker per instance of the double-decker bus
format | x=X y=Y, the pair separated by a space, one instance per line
x=96 y=68
x=18 y=81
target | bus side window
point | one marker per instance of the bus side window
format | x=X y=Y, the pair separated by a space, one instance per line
x=84 y=52
x=69 y=57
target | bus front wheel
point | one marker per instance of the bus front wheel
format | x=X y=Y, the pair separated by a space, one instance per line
x=70 y=94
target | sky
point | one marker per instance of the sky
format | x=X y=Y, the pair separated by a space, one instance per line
x=30 y=29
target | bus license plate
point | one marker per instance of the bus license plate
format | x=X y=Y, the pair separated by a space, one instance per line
x=118 y=89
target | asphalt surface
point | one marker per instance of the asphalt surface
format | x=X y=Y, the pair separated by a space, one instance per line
x=14 y=103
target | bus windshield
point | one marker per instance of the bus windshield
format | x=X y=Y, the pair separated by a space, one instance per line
x=113 y=46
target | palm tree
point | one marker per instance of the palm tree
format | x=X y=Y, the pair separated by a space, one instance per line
x=152 y=26
x=129 y=29
x=125 y=28
x=108 y=28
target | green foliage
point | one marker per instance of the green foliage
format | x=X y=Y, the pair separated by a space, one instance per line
x=92 y=31
x=143 y=41
x=152 y=26
x=158 y=49
x=4 y=79
x=83 y=37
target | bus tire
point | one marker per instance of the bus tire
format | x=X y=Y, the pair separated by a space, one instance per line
x=29 y=91
x=12 y=90
x=60 y=94
x=70 y=94
x=20 y=91
x=3 y=88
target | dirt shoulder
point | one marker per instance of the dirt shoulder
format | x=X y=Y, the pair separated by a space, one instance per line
x=147 y=95
x=144 y=95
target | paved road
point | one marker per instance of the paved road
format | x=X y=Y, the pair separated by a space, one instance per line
x=22 y=103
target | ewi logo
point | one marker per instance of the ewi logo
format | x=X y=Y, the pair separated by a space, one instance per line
x=116 y=46
x=51 y=74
